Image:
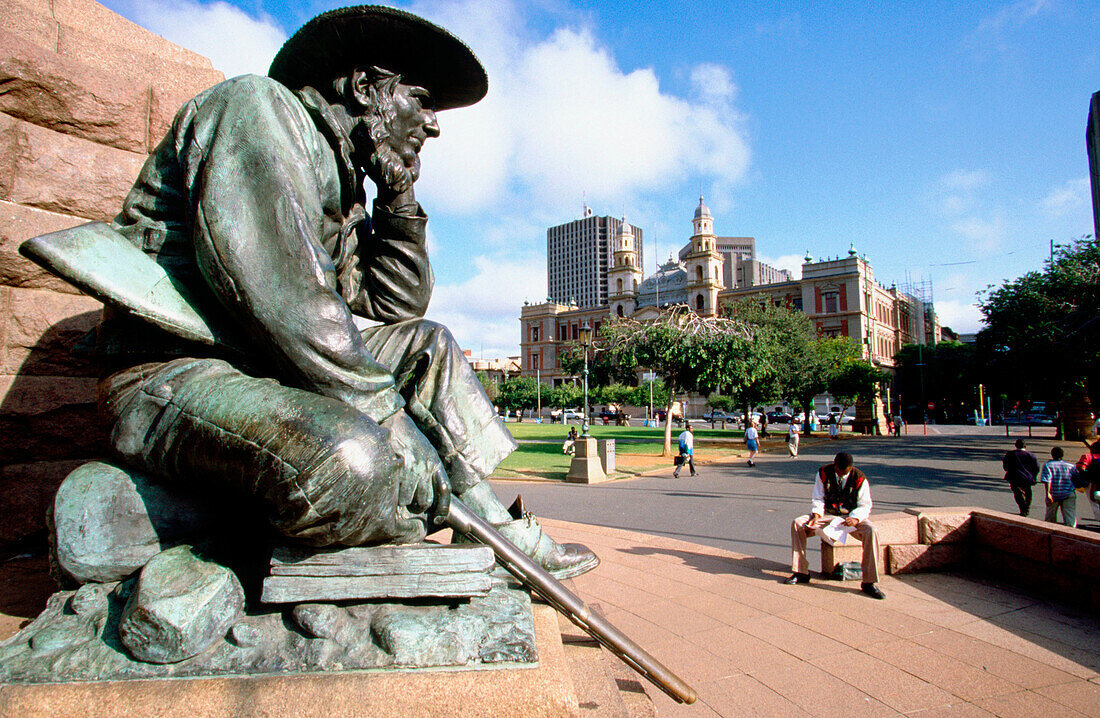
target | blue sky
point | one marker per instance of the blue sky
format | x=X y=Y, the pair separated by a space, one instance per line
x=946 y=141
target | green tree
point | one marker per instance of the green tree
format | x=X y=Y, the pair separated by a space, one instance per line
x=946 y=374
x=690 y=352
x=783 y=336
x=492 y=390
x=856 y=380
x=814 y=366
x=518 y=392
x=1042 y=333
x=564 y=396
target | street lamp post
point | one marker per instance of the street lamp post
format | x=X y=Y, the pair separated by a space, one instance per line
x=586 y=338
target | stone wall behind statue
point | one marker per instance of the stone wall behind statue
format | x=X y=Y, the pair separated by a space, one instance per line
x=84 y=96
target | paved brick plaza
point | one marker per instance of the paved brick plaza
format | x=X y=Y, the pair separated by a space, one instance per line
x=939 y=645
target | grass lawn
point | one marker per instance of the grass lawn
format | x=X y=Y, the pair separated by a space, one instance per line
x=637 y=449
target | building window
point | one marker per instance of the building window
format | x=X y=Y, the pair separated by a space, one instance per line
x=619 y=310
x=831 y=302
x=534 y=334
x=699 y=303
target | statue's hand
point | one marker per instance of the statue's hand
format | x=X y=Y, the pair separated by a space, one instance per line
x=423 y=485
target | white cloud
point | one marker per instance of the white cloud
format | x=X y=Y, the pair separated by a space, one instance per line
x=1070 y=197
x=482 y=312
x=562 y=118
x=965 y=179
x=995 y=33
x=790 y=262
x=982 y=234
x=235 y=42
x=962 y=317
x=963 y=203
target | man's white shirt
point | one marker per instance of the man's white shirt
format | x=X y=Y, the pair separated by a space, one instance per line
x=863 y=497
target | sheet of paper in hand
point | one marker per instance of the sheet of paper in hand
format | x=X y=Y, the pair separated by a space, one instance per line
x=835 y=532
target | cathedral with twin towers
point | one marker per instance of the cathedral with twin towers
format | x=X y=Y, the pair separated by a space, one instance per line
x=594 y=273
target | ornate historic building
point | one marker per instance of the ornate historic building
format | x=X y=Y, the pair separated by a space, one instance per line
x=840 y=295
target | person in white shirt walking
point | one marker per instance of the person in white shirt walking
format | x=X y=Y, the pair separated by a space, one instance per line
x=840 y=490
x=752 y=441
x=792 y=438
x=687 y=451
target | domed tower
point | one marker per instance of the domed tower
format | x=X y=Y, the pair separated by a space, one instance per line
x=625 y=274
x=704 y=264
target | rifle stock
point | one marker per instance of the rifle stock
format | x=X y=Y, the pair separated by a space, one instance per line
x=535 y=577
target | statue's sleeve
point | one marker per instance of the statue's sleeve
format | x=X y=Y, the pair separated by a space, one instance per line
x=259 y=214
x=395 y=279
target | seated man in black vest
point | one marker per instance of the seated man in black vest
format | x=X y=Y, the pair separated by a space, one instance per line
x=840 y=490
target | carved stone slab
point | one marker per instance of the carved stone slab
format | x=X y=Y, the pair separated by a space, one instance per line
x=416 y=570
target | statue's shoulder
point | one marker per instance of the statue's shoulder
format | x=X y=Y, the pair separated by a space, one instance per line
x=246 y=90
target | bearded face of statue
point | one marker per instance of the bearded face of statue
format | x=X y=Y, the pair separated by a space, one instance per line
x=397 y=121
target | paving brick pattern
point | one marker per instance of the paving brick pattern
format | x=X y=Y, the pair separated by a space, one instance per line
x=943 y=644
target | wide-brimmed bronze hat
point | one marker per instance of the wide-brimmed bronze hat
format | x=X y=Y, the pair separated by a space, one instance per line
x=338 y=41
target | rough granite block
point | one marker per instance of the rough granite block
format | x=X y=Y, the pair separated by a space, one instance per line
x=59 y=93
x=26 y=491
x=944 y=528
x=19 y=223
x=42 y=328
x=61 y=173
x=100 y=22
x=910 y=558
x=895 y=527
x=31 y=21
x=1076 y=554
x=1012 y=535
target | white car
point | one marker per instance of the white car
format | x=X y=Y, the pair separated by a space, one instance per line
x=566 y=414
x=718 y=415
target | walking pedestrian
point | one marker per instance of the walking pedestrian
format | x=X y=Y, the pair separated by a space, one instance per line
x=1060 y=479
x=752 y=441
x=1088 y=467
x=687 y=451
x=792 y=438
x=1020 y=468
x=898 y=423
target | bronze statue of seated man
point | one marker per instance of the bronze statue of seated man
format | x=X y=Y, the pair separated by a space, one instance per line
x=319 y=394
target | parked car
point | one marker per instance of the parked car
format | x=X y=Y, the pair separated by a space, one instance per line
x=1039 y=420
x=718 y=415
x=566 y=414
x=778 y=417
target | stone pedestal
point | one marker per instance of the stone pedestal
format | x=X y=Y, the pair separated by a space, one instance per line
x=529 y=692
x=586 y=467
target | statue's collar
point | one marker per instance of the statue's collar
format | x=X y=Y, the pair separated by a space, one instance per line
x=351 y=185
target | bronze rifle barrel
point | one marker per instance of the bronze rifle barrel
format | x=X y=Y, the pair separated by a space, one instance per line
x=535 y=577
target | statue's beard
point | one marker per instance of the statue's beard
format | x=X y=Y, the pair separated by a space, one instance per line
x=396 y=174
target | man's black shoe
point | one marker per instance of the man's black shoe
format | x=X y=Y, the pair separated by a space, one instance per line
x=797 y=578
x=872 y=590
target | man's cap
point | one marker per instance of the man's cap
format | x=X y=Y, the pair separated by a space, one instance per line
x=336 y=42
x=1020 y=443
x=843 y=460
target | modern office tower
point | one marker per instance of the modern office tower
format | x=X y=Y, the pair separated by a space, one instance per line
x=579 y=255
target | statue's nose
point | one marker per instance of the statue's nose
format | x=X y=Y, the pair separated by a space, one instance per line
x=431 y=125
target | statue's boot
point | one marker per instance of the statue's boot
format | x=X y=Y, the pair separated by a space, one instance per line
x=521 y=527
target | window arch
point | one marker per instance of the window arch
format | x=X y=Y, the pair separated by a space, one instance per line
x=699 y=302
x=699 y=273
x=619 y=310
x=619 y=284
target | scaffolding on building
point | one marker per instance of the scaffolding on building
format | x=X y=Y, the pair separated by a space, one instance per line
x=922 y=291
